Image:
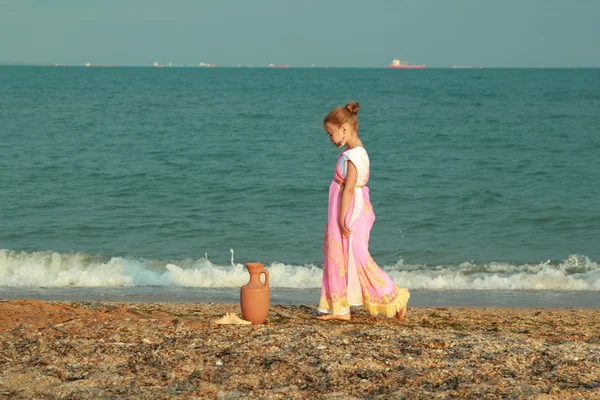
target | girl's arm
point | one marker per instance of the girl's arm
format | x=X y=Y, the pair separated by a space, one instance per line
x=347 y=193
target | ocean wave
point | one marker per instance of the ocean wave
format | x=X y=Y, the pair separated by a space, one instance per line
x=79 y=269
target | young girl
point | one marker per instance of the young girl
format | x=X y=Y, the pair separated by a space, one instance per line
x=350 y=276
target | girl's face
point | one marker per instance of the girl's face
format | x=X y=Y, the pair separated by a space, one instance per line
x=337 y=134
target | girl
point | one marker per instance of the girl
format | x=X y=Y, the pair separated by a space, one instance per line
x=350 y=276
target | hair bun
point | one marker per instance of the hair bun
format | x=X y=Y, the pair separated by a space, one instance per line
x=352 y=107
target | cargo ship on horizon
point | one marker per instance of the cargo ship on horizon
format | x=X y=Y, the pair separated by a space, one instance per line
x=171 y=65
x=279 y=65
x=405 y=65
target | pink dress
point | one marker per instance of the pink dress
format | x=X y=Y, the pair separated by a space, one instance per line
x=350 y=275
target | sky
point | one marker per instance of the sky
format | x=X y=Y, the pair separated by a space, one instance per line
x=348 y=33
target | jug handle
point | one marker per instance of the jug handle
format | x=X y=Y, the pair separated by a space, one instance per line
x=264 y=271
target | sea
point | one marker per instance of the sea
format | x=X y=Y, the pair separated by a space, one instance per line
x=159 y=184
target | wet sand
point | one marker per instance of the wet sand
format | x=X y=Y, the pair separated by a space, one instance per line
x=103 y=350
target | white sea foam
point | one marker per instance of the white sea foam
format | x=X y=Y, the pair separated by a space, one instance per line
x=52 y=269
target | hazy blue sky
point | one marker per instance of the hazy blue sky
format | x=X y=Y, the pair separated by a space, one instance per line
x=361 y=33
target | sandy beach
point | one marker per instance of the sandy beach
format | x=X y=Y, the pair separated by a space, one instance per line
x=102 y=350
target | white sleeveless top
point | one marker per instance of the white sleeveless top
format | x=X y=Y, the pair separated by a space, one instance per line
x=360 y=159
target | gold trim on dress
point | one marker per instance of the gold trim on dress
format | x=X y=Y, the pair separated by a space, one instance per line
x=390 y=308
x=341 y=183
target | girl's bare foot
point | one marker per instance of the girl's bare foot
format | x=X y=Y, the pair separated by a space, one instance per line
x=401 y=314
x=326 y=317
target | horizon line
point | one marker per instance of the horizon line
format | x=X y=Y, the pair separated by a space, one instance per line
x=267 y=66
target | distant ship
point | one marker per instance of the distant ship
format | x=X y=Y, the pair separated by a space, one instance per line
x=405 y=65
x=88 y=64
x=279 y=66
x=207 y=65
x=171 y=65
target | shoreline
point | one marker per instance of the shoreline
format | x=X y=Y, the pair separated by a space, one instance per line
x=308 y=296
x=173 y=350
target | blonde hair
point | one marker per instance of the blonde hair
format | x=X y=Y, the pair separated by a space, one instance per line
x=341 y=115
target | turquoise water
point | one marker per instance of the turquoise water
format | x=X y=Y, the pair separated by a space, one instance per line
x=480 y=179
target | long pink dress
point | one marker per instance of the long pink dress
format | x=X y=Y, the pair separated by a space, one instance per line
x=350 y=275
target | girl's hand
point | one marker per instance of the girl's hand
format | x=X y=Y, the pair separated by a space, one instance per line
x=343 y=230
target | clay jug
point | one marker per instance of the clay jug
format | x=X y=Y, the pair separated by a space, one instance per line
x=254 y=296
